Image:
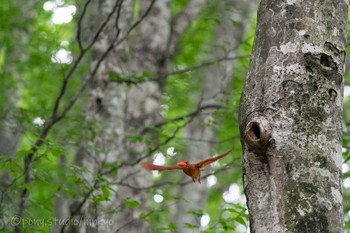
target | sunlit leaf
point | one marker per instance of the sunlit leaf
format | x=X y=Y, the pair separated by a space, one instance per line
x=131 y=203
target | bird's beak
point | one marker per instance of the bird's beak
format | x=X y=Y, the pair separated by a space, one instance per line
x=181 y=164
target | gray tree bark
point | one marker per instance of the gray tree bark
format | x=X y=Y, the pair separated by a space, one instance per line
x=119 y=111
x=291 y=117
x=215 y=91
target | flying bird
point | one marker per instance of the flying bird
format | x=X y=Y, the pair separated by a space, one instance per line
x=193 y=170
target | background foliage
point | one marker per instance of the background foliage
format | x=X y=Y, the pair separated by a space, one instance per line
x=29 y=41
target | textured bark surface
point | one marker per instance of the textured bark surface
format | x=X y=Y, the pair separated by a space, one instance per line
x=291 y=117
x=215 y=91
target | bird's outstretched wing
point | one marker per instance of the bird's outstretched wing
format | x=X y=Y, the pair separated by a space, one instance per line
x=151 y=166
x=206 y=162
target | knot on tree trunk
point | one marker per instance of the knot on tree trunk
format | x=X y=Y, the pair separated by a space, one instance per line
x=257 y=134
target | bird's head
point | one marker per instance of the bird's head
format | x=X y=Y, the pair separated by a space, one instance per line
x=182 y=163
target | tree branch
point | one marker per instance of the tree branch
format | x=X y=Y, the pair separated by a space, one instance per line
x=137 y=80
x=189 y=115
x=80 y=20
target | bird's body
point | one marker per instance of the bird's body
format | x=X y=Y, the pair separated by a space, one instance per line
x=192 y=170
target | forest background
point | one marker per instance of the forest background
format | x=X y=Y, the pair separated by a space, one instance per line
x=54 y=163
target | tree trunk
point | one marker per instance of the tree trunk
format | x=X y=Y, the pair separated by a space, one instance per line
x=121 y=111
x=215 y=91
x=14 y=45
x=118 y=113
x=15 y=55
x=291 y=117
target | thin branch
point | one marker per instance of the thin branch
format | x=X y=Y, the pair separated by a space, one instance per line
x=142 y=17
x=203 y=65
x=208 y=141
x=180 y=118
x=80 y=20
x=137 y=80
x=104 y=24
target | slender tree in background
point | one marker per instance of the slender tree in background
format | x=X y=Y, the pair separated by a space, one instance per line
x=16 y=54
x=11 y=77
x=122 y=113
x=291 y=117
x=234 y=17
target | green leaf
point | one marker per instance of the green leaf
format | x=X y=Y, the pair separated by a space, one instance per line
x=241 y=220
x=134 y=138
x=133 y=78
x=226 y=226
x=172 y=226
x=131 y=203
x=105 y=192
x=190 y=225
x=162 y=228
x=98 y=199
x=179 y=198
x=198 y=213
x=102 y=179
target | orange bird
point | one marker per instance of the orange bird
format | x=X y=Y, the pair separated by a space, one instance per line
x=192 y=170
